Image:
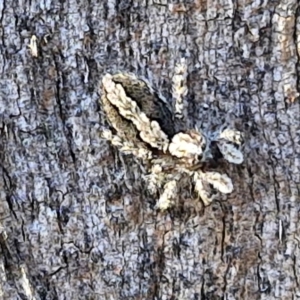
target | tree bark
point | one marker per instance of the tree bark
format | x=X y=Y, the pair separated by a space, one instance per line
x=76 y=219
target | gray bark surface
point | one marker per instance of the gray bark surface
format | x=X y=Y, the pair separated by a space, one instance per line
x=76 y=219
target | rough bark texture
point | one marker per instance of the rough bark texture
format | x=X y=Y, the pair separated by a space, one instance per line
x=76 y=219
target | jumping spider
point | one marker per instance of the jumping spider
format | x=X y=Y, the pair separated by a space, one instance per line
x=144 y=124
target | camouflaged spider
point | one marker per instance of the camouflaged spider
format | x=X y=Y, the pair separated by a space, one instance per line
x=144 y=124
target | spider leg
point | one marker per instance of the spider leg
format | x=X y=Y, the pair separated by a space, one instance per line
x=229 y=142
x=207 y=182
x=231 y=153
x=155 y=178
x=149 y=131
x=168 y=195
x=180 y=90
x=204 y=191
x=231 y=135
x=190 y=146
x=125 y=146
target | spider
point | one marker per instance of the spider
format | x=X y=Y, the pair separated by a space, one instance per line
x=144 y=124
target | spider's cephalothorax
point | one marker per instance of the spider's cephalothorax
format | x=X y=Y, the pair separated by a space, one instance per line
x=144 y=124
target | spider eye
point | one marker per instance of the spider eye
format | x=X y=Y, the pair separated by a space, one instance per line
x=200 y=157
